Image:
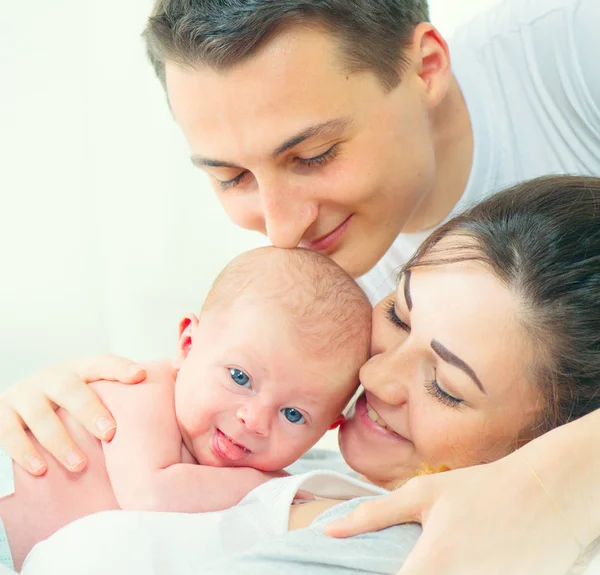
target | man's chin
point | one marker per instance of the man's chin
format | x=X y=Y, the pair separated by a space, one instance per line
x=355 y=262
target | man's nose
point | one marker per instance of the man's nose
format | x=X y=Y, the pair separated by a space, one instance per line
x=287 y=214
x=255 y=417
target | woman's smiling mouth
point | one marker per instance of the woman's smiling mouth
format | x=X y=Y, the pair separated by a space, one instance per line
x=373 y=421
x=374 y=416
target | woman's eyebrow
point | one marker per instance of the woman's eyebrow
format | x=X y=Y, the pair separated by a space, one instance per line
x=452 y=359
x=407 y=296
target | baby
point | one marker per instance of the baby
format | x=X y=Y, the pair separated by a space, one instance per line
x=259 y=377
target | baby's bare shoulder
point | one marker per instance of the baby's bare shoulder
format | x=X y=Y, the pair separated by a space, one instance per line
x=157 y=387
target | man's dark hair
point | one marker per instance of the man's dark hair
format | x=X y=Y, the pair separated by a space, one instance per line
x=373 y=34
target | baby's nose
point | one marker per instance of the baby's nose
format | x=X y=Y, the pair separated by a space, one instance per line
x=256 y=419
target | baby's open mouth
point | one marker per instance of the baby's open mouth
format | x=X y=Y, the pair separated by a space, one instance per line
x=227 y=448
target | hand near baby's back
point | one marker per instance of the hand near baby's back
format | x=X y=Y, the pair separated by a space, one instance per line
x=32 y=402
x=92 y=411
x=149 y=466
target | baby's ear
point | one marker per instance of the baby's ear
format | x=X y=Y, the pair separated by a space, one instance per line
x=184 y=344
x=337 y=422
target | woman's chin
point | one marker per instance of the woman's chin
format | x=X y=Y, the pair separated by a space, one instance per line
x=381 y=464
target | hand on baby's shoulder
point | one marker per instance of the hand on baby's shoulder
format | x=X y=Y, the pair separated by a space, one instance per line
x=159 y=372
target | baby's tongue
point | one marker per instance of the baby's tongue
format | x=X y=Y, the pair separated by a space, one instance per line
x=227 y=449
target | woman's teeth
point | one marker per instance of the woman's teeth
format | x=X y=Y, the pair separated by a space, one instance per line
x=374 y=416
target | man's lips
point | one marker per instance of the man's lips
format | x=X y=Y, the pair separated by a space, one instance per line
x=226 y=448
x=327 y=241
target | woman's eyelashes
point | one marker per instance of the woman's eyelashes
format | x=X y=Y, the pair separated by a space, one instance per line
x=305 y=163
x=434 y=389
x=240 y=378
x=390 y=312
x=432 y=386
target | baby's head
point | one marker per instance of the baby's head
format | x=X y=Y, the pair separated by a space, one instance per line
x=272 y=360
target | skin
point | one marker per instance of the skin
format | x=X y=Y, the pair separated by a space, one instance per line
x=390 y=161
x=281 y=375
x=402 y=161
x=475 y=317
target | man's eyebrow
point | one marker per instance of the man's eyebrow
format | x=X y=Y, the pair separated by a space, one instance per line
x=452 y=359
x=201 y=162
x=334 y=125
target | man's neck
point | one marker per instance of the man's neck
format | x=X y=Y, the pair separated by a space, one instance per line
x=453 y=146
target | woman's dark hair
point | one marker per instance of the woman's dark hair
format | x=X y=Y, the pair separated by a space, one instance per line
x=541 y=239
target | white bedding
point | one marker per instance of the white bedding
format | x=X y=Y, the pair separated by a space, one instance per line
x=122 y=542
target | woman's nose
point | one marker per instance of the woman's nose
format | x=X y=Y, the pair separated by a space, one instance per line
x=256 y=418
x=386 y=378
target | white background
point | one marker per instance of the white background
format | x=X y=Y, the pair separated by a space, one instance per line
x=107 y=233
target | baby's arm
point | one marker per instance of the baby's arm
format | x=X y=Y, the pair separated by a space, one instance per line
x=144 y=459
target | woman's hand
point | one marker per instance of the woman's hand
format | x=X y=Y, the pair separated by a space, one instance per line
x=488 y=519
x=529 y=513
x=31 y=404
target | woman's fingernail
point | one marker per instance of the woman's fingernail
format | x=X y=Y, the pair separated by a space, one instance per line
x=34 y=463
x=73 y=459
x=105 y=425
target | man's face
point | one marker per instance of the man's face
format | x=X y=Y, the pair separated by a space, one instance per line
x=298 y=149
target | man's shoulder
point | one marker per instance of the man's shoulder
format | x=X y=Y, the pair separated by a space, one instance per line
x=509 y=17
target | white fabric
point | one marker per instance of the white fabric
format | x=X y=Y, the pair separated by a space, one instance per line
x=529 y=73
x=247 y=539
x=126 y=542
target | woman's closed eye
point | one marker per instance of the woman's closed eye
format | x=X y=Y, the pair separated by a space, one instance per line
x=434 y=389
x=392 y=316
x=239 y=377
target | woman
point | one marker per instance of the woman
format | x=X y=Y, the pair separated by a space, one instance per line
x=492 y=339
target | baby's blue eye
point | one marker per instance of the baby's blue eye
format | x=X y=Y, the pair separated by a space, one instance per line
x=292 y=415
x=239 y=376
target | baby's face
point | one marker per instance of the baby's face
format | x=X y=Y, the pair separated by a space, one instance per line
x=249 y=394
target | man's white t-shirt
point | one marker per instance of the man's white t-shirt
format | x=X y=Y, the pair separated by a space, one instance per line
x=529 y=71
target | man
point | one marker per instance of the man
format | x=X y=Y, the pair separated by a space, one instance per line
x=342 y=126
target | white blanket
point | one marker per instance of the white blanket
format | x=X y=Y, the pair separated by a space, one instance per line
x=126 y=542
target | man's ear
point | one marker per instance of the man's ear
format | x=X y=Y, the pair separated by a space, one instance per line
x=337 y=422
x=184 y=343
x=432 y=59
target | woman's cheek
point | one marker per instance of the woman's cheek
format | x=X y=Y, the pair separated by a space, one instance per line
x=434 y=434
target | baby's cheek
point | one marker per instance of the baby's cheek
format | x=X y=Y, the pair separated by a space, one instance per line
x=194 y=416
x=285 y=450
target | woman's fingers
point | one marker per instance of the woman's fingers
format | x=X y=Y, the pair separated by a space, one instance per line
x=401 y=506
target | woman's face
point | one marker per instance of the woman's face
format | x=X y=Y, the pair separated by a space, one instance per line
x=450 y=378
